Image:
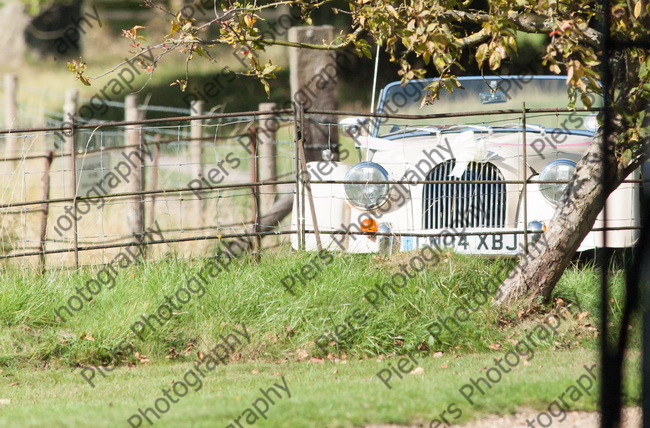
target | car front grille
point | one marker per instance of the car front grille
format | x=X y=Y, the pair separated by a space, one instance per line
x=464 y=204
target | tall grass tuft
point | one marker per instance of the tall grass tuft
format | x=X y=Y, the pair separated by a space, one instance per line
x=282 y=325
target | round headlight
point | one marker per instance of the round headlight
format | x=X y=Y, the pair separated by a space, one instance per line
x=367 y=196
x=558 y=170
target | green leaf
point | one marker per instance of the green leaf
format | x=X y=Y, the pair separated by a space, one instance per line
x=439 y=62
x=267 y=88
x=643 y=70
x=200 y=52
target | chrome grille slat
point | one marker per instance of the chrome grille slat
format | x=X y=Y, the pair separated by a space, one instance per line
x=461 y=205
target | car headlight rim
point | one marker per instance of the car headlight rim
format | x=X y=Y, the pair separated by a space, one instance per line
x=552 y=192
x=367 y=196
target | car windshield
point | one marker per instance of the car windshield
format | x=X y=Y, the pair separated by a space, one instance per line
x=484 y=93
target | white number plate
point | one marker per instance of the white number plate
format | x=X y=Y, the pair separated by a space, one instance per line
x=481 y=243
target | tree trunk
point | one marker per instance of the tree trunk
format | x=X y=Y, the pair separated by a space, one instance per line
x=13 y=21
x=57 y=31
x=538 y=272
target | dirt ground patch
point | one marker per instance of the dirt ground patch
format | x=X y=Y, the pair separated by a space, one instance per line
x=631 y=419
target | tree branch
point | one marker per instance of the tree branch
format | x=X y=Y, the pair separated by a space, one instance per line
x=269 y=42
x=473 y=39
x=526 y=22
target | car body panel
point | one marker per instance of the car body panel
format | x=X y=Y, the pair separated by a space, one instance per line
x=411 y=154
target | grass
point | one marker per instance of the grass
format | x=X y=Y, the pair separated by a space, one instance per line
x=328 y=394
x=42 y=356
x=282 y=323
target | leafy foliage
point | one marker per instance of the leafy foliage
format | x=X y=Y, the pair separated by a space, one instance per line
x=437 y=35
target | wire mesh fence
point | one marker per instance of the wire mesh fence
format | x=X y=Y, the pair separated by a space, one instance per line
x=77 y=193
x=192 y=181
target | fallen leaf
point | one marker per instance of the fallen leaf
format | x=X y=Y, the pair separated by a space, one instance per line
x=5 y=401
x=444 y=366
x=438 y=354
x=142 y=358
x=302 y=354
x=316 y=360
x=494 y=346
x=255 y=371
x=417 y=371
x=200 y=355
x=335 y=371
x=88 y=336
x=15 y=384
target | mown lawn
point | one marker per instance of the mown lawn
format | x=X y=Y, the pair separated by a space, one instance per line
x=334 y=384
x=322 y=394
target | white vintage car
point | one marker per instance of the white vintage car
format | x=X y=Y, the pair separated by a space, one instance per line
x=478 y=160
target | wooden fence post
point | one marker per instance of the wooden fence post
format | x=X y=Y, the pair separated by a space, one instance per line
x=46 y=207
x=267 y=150
x=196 y=156
x=11 y=115
x=255 y=191
x=69 y=114
x=151 y=212
x=135 y=213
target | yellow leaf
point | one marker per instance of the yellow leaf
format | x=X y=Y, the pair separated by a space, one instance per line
x=249 y=20
x=392 y=11
x=495 y=60
x=481 y=53
x=638 y=8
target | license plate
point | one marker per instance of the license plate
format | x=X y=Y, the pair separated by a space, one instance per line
x=489 y=244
